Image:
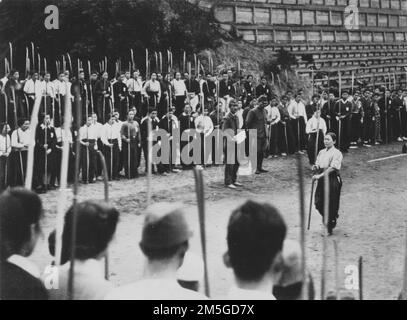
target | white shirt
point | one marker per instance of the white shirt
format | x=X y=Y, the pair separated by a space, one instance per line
x=99 y=128
x=312 y=125
x=25 y=264
x=297 y=109
x=90 y=132
x=45 y=88
x=20 y=138
x=154 y=289
x=329 y=158
x=179 y=87
x=61 y=133
x=135 y=85
x=109 y=132
x=203 y=124
x=244 y=294
x=152 y=86
x=239 y=115
x=5 y=141
x=31 y=87
x=273 y=114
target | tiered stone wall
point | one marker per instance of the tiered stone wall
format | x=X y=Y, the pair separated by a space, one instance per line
x=370 y=49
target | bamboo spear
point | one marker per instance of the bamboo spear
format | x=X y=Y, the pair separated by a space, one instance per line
x=63 y=191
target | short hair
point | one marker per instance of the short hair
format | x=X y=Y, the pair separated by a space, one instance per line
x=21 y=121
x=95 y=226
x=255 y=235
x=20 y=209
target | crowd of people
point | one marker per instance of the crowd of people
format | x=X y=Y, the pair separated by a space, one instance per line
x=265 y=265
x=114 y=115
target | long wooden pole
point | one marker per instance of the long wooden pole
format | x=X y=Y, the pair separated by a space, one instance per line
x=63 y=191
x=30 y=155
x=199 y=184
x=302 y=226
x=325 y=233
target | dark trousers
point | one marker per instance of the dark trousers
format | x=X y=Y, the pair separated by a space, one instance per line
x=311 y=145
x=298 y=127
x=103 y=108
x=4 y=173
x=44 y=166
x=130 y=159
x=179 y=105
x=274 y=138
x=111 y=155
x=396 y=124
x=286 y=141
x=403 y=122
x=342 y=131
x=18 y=167
x=356 y=127
x=88 y=162
x=231 y=169
x=260 y=152
x=135 y=101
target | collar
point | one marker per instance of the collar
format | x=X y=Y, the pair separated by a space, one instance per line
x=25 y=264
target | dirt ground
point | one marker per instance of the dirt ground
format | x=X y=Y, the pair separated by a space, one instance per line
x=372 y=219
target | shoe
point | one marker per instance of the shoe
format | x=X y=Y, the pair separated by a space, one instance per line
x=257 y=172
x=399 y=139
x=176 y=170
x=377 y=143
x=165 y=174
x=368 y=145
x=263 y=171
x=405 y=138
x=238 y=184
x=284 y=154
x=231 y=186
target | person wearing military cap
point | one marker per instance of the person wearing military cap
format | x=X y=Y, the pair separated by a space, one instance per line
x=164 y=242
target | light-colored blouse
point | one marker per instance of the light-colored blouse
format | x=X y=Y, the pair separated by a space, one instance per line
x=329 y=158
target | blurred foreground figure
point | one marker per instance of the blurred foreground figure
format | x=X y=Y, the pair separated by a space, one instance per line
x=96 y=226
x=289 y=286
x=255 y=238
x=164 y=242
x=20 y=216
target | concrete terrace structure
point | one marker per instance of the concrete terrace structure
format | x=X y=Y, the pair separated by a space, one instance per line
x=366 y=38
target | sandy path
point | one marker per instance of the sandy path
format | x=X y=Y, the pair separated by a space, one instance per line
x=371 y=223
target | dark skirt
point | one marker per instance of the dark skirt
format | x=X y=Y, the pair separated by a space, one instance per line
x=335 y=186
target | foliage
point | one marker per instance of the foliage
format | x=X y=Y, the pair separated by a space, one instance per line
x=93 y=29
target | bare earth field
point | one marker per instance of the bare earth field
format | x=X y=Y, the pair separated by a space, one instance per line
x=372 y=220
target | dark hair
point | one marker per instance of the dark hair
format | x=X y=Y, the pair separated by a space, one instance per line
x=21 y=121
x=163 y=253
x=255 y=235
x=20 y=209
x=333 y=136
x=96 y=225
x=2 y=125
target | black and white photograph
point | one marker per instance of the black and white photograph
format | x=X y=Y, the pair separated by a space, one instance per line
x=204 y=150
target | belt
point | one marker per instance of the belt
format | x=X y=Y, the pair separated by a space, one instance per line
x=112 y=140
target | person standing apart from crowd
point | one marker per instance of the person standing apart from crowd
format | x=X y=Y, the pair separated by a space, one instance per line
x=329 y=162
x=257 y=120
